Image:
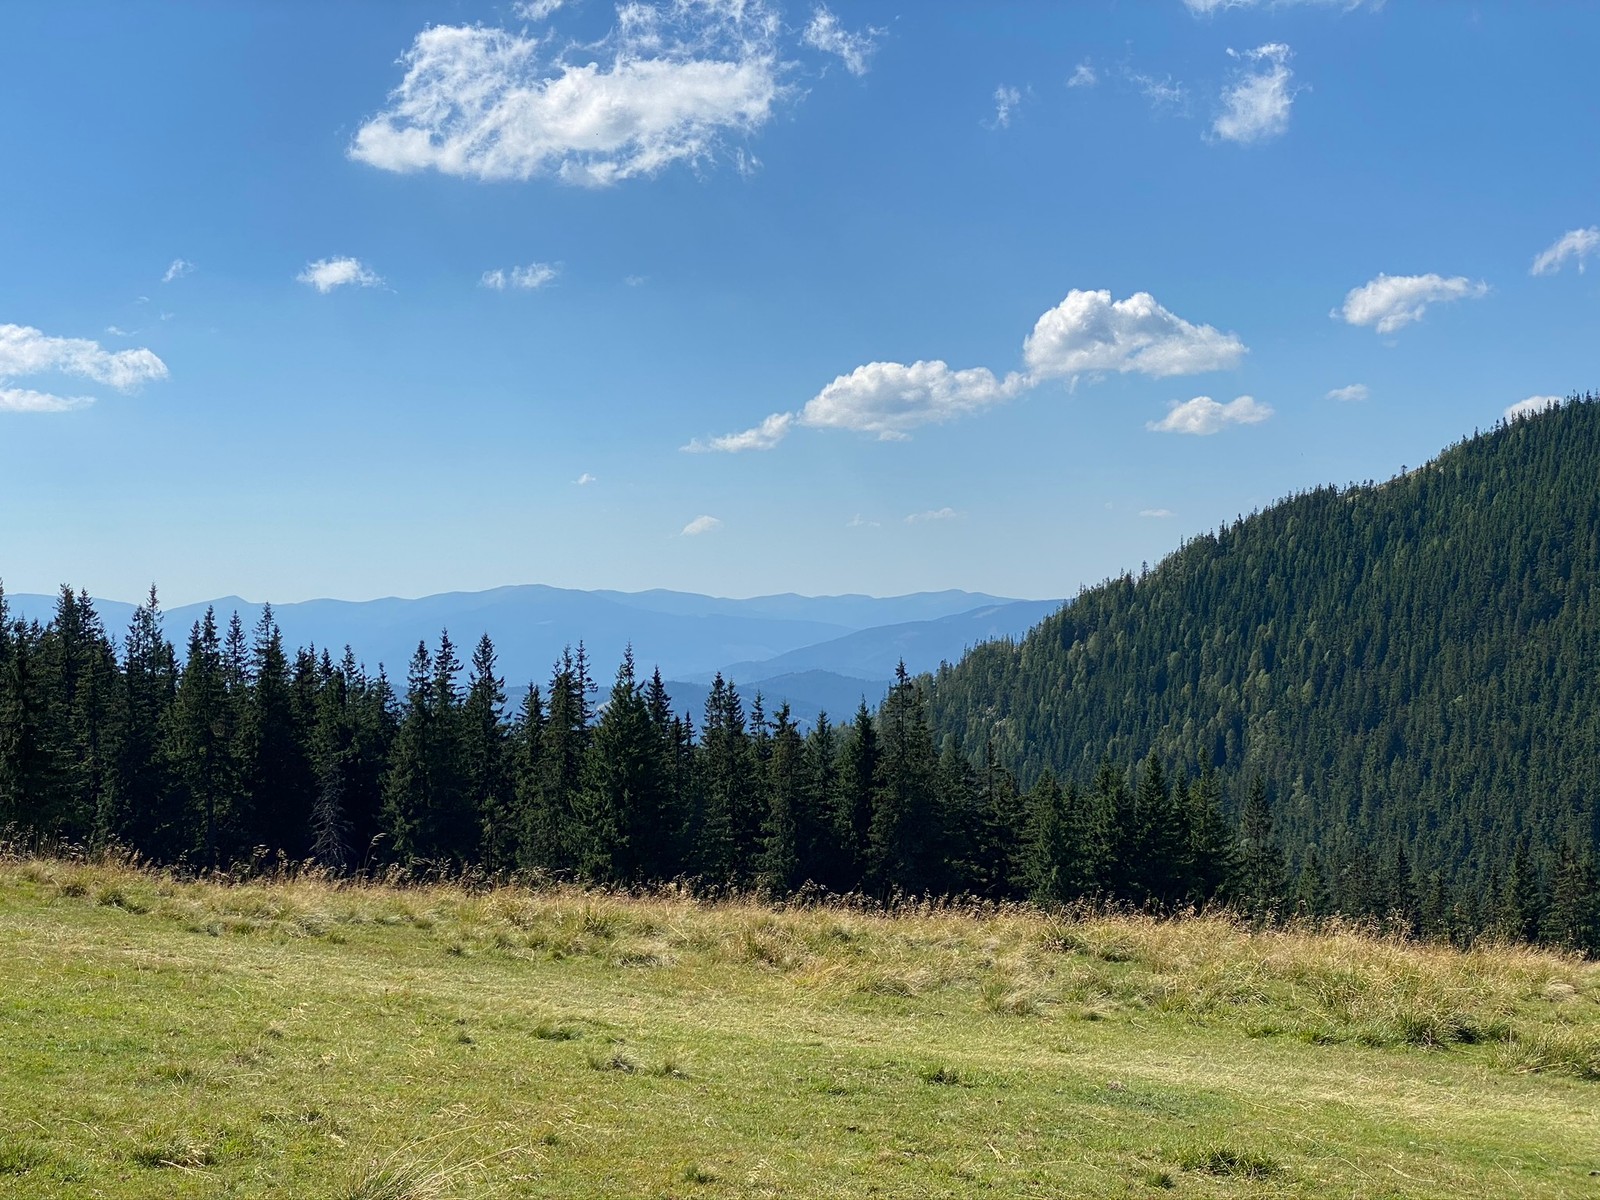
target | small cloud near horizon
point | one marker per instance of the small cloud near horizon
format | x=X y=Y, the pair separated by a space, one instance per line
x=328 y=273
x=933 y=514
x=701 y=524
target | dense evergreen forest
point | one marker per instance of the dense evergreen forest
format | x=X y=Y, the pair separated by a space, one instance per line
x=1412 y=667
x=1375 y=701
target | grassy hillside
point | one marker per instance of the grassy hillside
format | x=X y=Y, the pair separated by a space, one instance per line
x=1407 y=663
x=302 y=1039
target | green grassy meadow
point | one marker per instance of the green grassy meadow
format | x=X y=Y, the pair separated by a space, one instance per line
x=305 y=1039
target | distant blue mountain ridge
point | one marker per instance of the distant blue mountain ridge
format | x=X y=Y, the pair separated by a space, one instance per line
x=816 y=652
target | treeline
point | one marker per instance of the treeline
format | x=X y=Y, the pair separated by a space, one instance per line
x=1413 y=667
x=247 y=751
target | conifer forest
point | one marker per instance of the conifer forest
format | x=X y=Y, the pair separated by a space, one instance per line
x=1374 y=701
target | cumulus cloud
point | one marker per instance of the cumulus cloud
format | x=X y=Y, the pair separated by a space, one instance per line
x=890 y=398
x=1006 y=100
x=1353 y=391
x=824 y=33
x=1086 y=333
x=1575 y=244
x=1391 y=302
x=667 y=86
x=759 y=437
x=1255 y=106
x=1159 y=513
x=26 y=352
x=1083 y=77
x=701 y=524
x=1532 y=405
x=179 y=268
x=328 y=273
x=534 y=275
x=1203 y=416
x=933 y=514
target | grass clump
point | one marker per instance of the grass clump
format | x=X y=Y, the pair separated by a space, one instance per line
x=1224 y=1160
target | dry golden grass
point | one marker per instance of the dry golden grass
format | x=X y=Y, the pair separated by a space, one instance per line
x=309 y=1037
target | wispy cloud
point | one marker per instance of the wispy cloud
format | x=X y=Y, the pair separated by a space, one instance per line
x=1158 y=513
x=528 y=278
x=700 y=525
x=933 y=514
x=1575 y=245
x=537 y=10
x=673 y=83
x=585 y=480
x=1255 y=106
x=328 y=273
x=1087 y=333
x=1006 y=100
x=824 y=33
x=1210 y=7
x=857 y=522
x=1532 y=405
x=1163 y=93
x=1204 y=416
x=1083 y=76
x=1353 y=391
x=26 y=352
x=1391 y=302
x=179 y=268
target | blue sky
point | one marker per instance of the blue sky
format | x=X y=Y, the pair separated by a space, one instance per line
x=740 y=296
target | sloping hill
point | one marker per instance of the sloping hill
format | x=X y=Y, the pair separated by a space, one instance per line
x=683 y=633
x=1414 y=663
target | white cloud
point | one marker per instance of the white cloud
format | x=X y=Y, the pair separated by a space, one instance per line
x=1353 y=391
x=933 y=514
x=1533 y=404
x=328 y=273
x=26 y=352
x=534 y=275
x=1162 y=93
x=1209 y=7
x=857 y=522
x=118 y=331
x=1006 y=100
x=585 y=480
x=1256 y=106
x=760 y=437
x=824 y=33
x=890 y=398
x=636 y=280
x=1203 y=416
x=179 y=268
x=1575 y=244
x=1088 y=331
x=1391 y=302
x=666 y=86
x=1083 y=76
x=701 y=524
x=1159 y=513
x=537 y=10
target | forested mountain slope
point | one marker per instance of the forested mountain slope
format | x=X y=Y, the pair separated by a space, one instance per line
x=1410 y=664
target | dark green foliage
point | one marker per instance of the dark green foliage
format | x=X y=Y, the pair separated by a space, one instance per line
x=1390 y=688
x=1409 y=664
